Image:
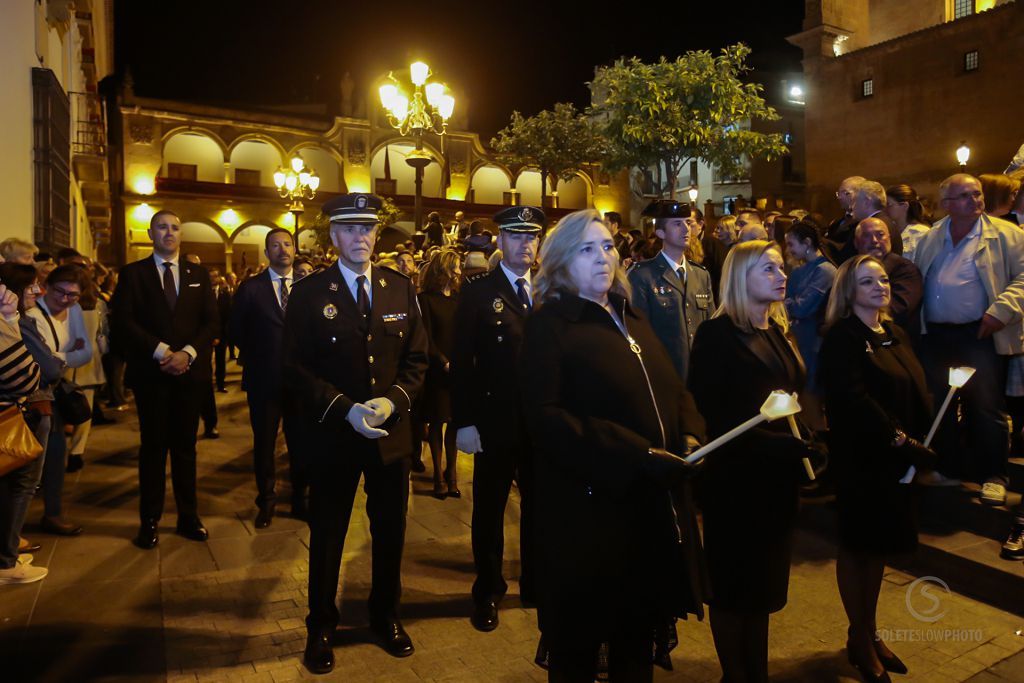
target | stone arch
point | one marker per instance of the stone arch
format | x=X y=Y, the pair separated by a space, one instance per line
x=480 y=163
x=576 y=193
x=256 y=222
x=221 y=232
x=206 y=239
x=196 y=147
x=256 y=154
x=247 y=244
x=195 y=130
x=402 y=173
x=489 y=183
x=259 y=137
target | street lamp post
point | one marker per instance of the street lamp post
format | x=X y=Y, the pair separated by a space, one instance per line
x=963 y=154
x=693 y=192
x=427 y=111
x=295 y=184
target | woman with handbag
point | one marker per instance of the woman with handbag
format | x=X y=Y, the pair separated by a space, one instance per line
x=59 y=319
x=19 y=382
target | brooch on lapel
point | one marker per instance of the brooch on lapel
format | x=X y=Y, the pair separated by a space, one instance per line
x=330 y=311
x=333 y=286
x=382 y=283
x=867 y=347
x=498 y=305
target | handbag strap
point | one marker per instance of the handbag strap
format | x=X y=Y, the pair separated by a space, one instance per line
x=56 y=339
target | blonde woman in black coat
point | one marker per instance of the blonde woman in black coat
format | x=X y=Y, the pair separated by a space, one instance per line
x=608 y=416
x=748 y=490
x=877 y=403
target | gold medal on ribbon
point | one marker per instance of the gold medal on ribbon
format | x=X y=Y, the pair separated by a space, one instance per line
x=330 y=311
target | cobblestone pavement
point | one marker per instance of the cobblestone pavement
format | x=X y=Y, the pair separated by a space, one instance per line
x=232 y=609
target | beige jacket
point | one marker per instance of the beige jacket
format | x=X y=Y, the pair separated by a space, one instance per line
x=1000 y=263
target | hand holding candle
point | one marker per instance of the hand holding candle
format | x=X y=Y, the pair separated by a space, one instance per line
x=957 y=378
x=779 y=404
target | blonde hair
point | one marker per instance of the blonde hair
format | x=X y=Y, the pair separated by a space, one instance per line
x=559 y=250
x=844 y=290
x=728 y=222
x=12 y=247
x=735 y=302
x=440 y=271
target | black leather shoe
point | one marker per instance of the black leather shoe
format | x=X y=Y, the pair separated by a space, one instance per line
x=319 y=657
x=393 y=638
x=418 y=467
x=222 y=390
x=890 y=661
x=865 y=670
x=147 y=538
x=264 y=517
x=75 y=463
x=192 y=529
x=211 y=433
x=59 y=526
x=485 y=616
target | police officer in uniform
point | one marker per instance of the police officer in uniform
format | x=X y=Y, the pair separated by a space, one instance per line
x=355 y=356
x=487 y=406
x=674 y=293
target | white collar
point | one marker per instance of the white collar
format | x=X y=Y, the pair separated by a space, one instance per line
x=274 y=277
x=512 y=277
x=160 y=260
x=350 y=275
x=675 y=266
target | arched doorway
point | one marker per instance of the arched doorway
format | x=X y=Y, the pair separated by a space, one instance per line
x=248 y=246
x=193 y=156
x=489 y=184
x=205 y=241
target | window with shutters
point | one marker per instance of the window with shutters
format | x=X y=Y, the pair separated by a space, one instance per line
x=181 y=171
x=51 y=157
x=247 y=176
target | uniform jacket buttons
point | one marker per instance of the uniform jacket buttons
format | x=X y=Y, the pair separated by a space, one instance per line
x=373 y=381
x=498 y=322
x=371 y=360
x=401 y=334
x=334 y=339
x=499 y=338
x=369 y=337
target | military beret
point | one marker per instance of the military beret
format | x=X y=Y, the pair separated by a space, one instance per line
x=521 y=219
x=357 y=208
x=667 y=208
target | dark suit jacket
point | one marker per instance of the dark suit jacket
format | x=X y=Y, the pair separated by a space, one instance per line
x=257 y=328
x=674 y=312
x=907 y=292
x=839 y=238
x=224 y=312
x=142 y=319
x=489 y=321
x=329 y=364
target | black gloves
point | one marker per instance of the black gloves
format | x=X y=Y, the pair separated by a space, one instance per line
x=668 y=468
x=922 y=457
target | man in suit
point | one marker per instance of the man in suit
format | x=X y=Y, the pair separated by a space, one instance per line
x=166 y=319
x=257 y=324
x=872 y=236
x=868 y=202
x=222 y=294
x=487 y=407
x=674 y=293
x=355 y=354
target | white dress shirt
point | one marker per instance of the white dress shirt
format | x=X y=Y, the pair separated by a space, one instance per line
x=275 y=279
x=350 y=281
x=512 y=277
x=162 y=348
x=676 y=267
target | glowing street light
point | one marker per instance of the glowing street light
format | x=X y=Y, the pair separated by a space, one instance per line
x=693 y=192
x=296 y=183
x=963 y=154
x=427 y=111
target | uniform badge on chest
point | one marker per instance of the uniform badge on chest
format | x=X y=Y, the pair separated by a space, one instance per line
x=330 y=311
x=498 y=305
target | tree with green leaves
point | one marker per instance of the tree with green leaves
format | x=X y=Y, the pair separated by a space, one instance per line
x=671 y=112
x=558 y=142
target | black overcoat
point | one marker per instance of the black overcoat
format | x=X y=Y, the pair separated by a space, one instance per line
x=611 y=551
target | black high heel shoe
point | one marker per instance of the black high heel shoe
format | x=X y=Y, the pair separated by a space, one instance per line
x=890 y=661
x=864 y=669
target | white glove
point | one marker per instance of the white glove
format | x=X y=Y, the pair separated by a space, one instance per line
x=382 y=409
x=357 y=417
x=467 y=440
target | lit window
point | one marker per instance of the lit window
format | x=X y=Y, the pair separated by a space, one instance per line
x=962 y=8
x=971 y=60
x=867 y=87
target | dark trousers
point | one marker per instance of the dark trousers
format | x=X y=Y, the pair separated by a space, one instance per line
x=208 y=407
x=265 y=415
x=505 y=458
x=220 y=364
x=54 y=464
x=113 y=368
x=168 y=420
x=982 y=401
x=335 y=477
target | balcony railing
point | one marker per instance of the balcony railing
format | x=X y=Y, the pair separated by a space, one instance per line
x=89 y=135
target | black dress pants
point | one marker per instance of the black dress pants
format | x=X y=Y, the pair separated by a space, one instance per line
x=168 y=420
x=220 y=364
x=506 y=457
x=266 y=412
x=334 y=478
x=629 y=659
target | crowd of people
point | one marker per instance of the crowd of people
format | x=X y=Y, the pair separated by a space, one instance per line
x=582 y=363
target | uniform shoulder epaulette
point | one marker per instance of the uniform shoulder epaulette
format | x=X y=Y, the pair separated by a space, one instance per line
x=696 y=265
x=478 y=276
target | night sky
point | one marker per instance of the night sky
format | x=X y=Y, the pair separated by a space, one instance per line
x=525 y=58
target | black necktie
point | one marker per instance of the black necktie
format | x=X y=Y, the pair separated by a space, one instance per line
x=284 y=293
x=521 y=293
x=169 y=291
x=682 y=275
x=362 y=300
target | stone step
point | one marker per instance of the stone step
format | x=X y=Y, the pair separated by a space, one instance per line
x=960 y=539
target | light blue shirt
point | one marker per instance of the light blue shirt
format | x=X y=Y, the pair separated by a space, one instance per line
x=350 y=281
x=953 y=291
x=512 y=277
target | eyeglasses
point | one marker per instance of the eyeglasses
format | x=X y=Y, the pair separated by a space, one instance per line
x=64 y=294
x=976 y=194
